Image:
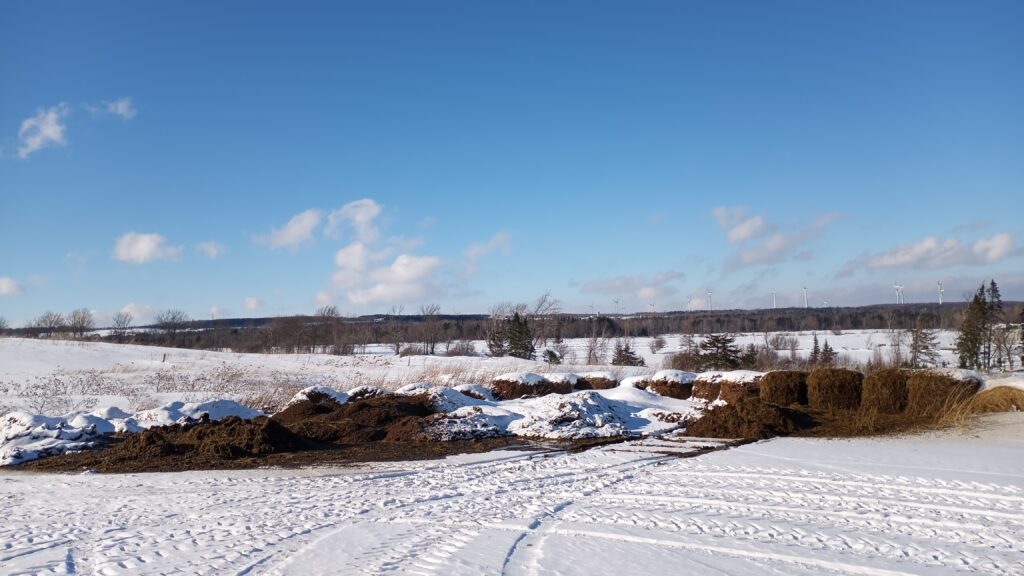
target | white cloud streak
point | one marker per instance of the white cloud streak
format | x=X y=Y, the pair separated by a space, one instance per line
x=359 y=215
x=931 y=253
x=8 y=287
x=297 y=232
x=45 y=129
x=211 y=249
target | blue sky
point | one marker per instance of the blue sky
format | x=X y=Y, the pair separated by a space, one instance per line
x=262 y=158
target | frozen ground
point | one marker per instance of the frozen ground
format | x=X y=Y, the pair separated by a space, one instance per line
x=944 y=503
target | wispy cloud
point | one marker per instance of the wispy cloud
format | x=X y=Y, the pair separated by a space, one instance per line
x=359 y=215
x=407 y=278
x=499 y=242
x=138 y=248
x=777 y=246
x=211 y=249
x=738 y=226
x=251 y=303
x=930 y=253
x=122 y=107
x=638 y=288
x=295 y=233
x=46 y=128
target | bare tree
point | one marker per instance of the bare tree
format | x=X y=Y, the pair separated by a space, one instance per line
x=542 y=313
x=897 y=340
x=50 y=323
x=122 y=323
x=656 y=344
x=395 y=328
x=80 y=321
x=3 y=326
x=326 y=328
x=1004 y=342
x=431 y=326
x=171 y=322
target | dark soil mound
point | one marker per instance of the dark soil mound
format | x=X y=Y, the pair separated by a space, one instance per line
x=834 y=388
x=706 y=390
x=510 y=390
x=885 y=391
x=733 y=392
x=932 y=393
x=229 y=438
x=671 y=389
x=594 y=383
x=750 y=418
x=369 y=419
x=784 y=387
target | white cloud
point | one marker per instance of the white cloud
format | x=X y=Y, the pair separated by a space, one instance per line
x=8 y=287
x=498 y=243
x=212 y=249
x=298 y=231
x=640 y=290
x=141 y=313
x=141 y=248
x=778 y=246
x=218 y=312
x=360 y=215
x=45 y=129
x=352 y=257
x=931 y=252
x=407 y=278
x=251 y=303
x=122 y=107
x=738 y=226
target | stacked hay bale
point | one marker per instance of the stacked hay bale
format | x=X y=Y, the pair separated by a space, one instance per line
x=728 y=386
x=885 y=391
x=642 y=382
x=526 y=385
x=596 y=381
x=930 y=393
x=834 y=388
x=673 y=384
x=784 y=387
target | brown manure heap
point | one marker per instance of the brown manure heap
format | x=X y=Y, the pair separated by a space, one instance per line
x=513 y=389
x=368 y=419
x=886 y=391
x=834 y=388
x=784 y=387
x=750 y=418
x=594 y=382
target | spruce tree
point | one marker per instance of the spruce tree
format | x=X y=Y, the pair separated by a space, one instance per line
x=970 y=343
x=815 y=356
x=924 y=345
x=623 y=355
x=498 y=339
x=520 y=338
x=994 y=309
x=552 y=357
x=719 y=352
x=828 y=355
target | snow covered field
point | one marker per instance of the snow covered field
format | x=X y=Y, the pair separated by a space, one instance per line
x=946 y=503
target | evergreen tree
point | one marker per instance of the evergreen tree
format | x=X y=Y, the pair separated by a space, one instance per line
x=497 y=339
x=748 y=360
x=552 y=357
x=994 y=309
x=623 y=355
x=719 y=352
x=924 y=345
x=520 y=338
x=970 y=343
x=815 y=357
x=828 y=355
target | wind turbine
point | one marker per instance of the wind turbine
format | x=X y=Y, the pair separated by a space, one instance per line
x=940 y=292
x=689 y=304
x=711 y=306
x=652 y=308
x=899 y=292
x=773 y=299
x=616 y=301
x=805 y=298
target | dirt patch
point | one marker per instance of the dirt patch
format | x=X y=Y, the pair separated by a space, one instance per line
x=885 y=391
x=834 y=389
x=784 y=387
x=706 y=390
x=510 y=390
x=595 y=383
x=750 y=418
x=932 y=393
x=671 y=389
x=1001 y=399
x=733 y=392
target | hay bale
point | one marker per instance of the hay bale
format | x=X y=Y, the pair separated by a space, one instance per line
x=527 y=385
x=707 y=389
x=733 y=392
x=834 y=388
x=784 y=387
x=885 y=391
x=930 y=393
x=641 y=382
x=672 y=384
x=596 y=381
x=750 y=418
x=1001 y=399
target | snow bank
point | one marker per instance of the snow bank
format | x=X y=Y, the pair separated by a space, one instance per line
x=560 y=378
x=734 y=376
x=1009 y=381
x=675 y=376
x=523 y=378
x=445 y=399
x=178 y=411
x=635 y=382
x=580 y=415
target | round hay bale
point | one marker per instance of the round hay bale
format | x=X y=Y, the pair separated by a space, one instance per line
x=931 y=393
x=598 y=381
x=834 y=388
x=1000 y=399
x=707 y=389
x=733 y=392
x=784 y=387
x=886 y=391
x=528 y=386
x=669 y=389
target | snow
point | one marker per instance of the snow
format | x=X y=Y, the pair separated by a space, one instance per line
x=635 y=381
x=734 y=376
x=524 y=378
x=674 y=376
x=560 y=378
x=945 y=503
x=1011 y=381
